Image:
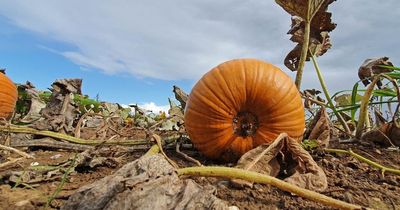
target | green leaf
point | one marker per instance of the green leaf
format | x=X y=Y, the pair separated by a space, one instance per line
x=309 y=144
x=394 y=75
x=389 y=67
x=353 y=101
x=384 y=92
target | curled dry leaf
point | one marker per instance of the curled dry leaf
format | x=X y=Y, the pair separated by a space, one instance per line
x=61 y=111
x=174 y=120
x=313 y=94
x=388 y=134
x=320 y=25
x=32 y=100
x=181 y=96
x=371 y=67
x=147 y=183
x=284 y=154
x=320 y=128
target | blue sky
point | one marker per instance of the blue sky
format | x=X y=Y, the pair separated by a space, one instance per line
x=27 y=56
x=134 y=51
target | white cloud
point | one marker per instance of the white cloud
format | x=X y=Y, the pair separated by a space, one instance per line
x=181 y=39
x=151 y=106
x=163 y=40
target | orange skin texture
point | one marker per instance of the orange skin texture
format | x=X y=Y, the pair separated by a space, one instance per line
x=8 y=97
x=242 y=85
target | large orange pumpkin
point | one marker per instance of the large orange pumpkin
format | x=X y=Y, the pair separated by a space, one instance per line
x=241 y=104
x=8 y=96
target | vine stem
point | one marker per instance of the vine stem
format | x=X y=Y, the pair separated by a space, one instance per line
x=363 y=116
x=235 y=173
x=22 y=129
x=304 y=48
x=364 y=106
x=327 y=95
x=366 y=160
x=63 y=181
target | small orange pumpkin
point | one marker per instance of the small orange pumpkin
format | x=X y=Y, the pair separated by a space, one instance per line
x=241 y=104
x=8 y=96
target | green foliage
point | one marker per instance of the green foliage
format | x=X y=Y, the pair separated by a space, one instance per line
x=23 y=103
x=45 y=96
x=85 y=103
x=354 y=95
x=309 y=144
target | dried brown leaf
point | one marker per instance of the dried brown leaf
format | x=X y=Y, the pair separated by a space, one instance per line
x=307 y=173
x=61 y=110
x=313 y=94
x=284 y=154
x=388 y=134
x=300 y=7
x=320 y=25
x=320 y=128
x=181 y=96
x=379 y=119
x=33 y=101
x=149 y=182
x=260 y=159
x=371 y=67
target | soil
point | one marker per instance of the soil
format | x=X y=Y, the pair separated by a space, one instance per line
x=349 y=180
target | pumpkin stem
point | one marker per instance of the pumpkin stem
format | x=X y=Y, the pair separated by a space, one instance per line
x=245 y=124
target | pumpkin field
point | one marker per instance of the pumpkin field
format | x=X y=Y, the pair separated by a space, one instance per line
x=245 y=136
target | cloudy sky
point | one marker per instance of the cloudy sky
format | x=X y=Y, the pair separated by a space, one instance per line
x=134 y=51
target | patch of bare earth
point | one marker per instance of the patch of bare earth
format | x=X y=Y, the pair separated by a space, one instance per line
x=349 y=180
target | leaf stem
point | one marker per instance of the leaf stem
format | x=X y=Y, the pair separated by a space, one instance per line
x=326 y=92
x=366 y=160
x=235 y=173
x=63 y=180
x=22 y=129
x=303 y=56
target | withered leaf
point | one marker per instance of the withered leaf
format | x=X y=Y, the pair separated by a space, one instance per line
x=307 y=173
x=292 y=59
x=300 y=7
x=320 y=128
x=388 y=134
x=181 y=96
x=379 y=119
x=149 y=182
x=284 y=154
x=320 y=25
x=371 y=67
x=345 y=99
x=61 y=110
x=313 y=94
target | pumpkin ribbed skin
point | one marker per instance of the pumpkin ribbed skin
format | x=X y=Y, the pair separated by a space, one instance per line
x=8 y=96
x=228 y=97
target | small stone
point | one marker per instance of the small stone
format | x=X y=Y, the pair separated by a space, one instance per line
x=378 y=151
x=34 y=164
x=55 y=157
x=23 y=203
x=223 y=184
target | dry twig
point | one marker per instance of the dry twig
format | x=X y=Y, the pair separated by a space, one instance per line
x=23 y=154
x=12 y=161
x=185 y=156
